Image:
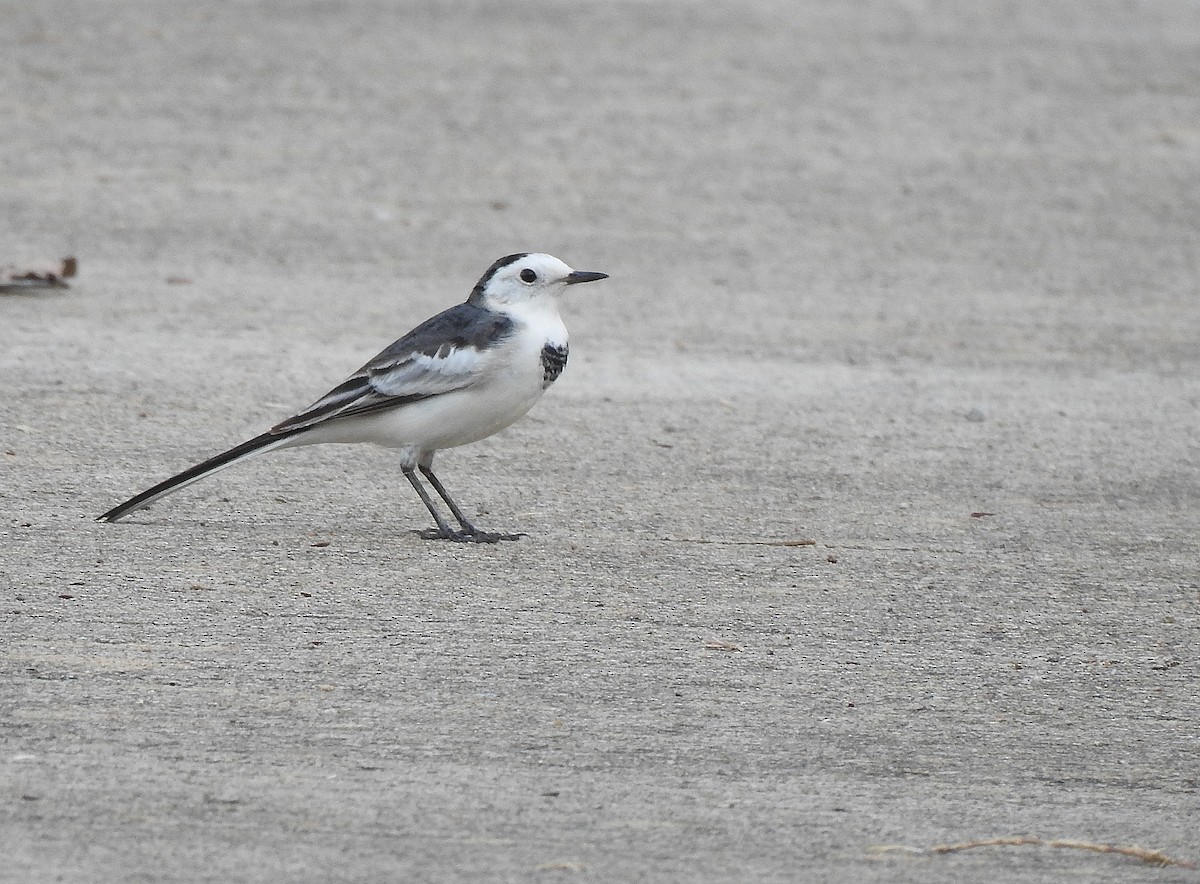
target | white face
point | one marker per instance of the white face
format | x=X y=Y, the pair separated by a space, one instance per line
x=527 y=278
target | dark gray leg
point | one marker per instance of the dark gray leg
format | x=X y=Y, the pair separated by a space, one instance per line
x=444 y=495
x=468 y=528
x=443 y=530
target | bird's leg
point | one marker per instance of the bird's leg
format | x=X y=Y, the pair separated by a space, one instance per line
x=444 y=495
x=444 y=531
x=468 y=528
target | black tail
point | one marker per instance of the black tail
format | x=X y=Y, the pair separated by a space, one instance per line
x=257 y=445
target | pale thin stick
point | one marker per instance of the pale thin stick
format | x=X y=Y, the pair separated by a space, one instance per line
x=1153 y=857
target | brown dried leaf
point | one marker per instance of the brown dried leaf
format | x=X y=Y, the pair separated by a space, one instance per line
x=17 y=279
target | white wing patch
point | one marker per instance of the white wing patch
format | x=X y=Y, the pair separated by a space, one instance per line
x=422 y=374
x=391 y=383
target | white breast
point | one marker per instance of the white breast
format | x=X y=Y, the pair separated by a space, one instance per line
x=510 y=383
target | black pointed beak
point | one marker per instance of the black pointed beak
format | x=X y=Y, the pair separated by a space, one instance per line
x=584 y=276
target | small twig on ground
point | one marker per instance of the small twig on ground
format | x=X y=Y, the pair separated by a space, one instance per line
x=717 y=645
x=742 y=542
x=1152 y=857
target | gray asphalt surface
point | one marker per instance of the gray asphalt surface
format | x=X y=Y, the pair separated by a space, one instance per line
x=915 y=281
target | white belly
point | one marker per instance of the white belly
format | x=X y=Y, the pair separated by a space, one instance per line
x=451 y=419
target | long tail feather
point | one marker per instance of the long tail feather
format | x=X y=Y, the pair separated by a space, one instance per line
x=258 y=445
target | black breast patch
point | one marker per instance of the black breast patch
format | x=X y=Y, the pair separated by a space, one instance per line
x=554 y=359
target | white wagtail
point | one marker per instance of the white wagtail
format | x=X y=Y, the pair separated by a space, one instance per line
x=465 y=374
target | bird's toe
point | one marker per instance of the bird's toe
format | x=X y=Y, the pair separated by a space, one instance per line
x=438 y=534
x=493 y=537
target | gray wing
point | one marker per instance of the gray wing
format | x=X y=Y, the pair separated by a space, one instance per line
x=442 y=354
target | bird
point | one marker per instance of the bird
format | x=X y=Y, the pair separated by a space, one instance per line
x=460 y=376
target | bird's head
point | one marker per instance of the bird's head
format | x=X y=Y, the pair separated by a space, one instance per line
x=526 y=277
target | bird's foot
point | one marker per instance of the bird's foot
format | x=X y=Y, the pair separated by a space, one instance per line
x=492 y=537
x=475 y=536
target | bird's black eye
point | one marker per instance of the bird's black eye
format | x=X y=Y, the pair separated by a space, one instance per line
x=528 y=275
